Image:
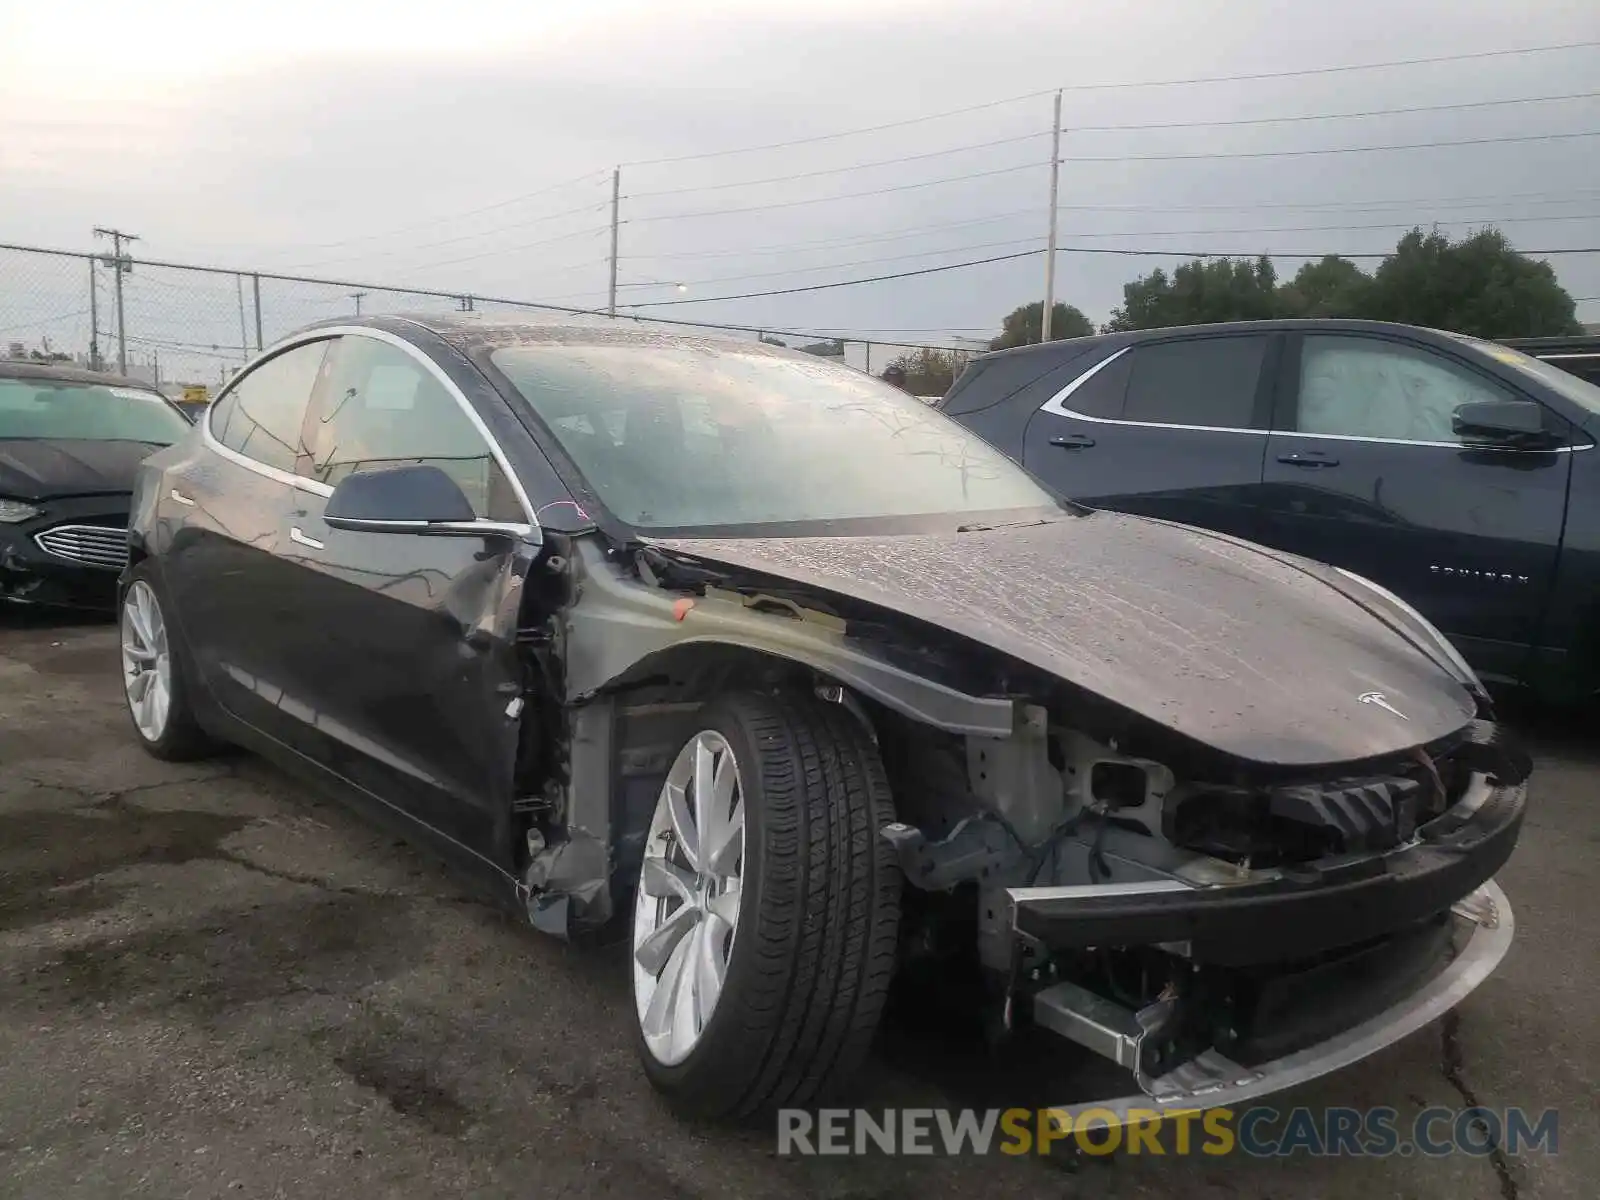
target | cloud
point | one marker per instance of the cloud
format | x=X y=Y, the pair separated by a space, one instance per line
x=361 y=141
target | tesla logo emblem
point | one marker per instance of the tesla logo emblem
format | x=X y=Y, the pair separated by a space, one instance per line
x=1382 y=702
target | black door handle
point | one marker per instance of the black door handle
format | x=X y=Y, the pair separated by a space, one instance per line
x=1308 y=458
x=1073 y=441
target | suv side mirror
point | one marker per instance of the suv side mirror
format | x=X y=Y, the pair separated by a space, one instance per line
x=1515 y=423
x=416 y=499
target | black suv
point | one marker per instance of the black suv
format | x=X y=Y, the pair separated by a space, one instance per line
x=1458 y=473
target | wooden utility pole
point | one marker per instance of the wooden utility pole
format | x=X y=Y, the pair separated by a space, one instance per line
x=122 y=264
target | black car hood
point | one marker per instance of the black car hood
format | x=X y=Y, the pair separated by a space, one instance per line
x=1213 y=638
x=42 y=468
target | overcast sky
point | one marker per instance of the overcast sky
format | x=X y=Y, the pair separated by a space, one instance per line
x=436 y=146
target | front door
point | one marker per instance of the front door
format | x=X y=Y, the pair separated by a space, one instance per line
x=1364 y=471
x=416 y=696
x=1171 y=428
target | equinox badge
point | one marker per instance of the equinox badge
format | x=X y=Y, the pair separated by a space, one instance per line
x=1382 y=702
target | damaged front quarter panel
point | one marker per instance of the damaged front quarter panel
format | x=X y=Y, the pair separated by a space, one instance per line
x=622 y=631
x=617 y=624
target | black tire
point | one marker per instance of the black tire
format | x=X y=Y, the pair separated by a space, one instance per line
x=182 y=739
x=815 y=945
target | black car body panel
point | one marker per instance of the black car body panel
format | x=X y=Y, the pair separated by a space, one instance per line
x=1219 y=642
x=68 y=554
x=43 y=470
x=1208 y=425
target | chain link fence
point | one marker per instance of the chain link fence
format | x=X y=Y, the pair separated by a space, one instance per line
x=183 y=326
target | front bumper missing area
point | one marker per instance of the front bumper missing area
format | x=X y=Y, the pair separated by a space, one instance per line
x=1212 y=1080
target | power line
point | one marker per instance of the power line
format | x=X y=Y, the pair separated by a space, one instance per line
x=501 y=251
x=368 y=237
x=1490 y=141
x=1116 y=233
x=1140 y=253
x=1077 y=158
x=1075 y=128
x=1339 y=116
x=1569 y=197
x=464 y=237
x=881 y=162
x=1091 y=87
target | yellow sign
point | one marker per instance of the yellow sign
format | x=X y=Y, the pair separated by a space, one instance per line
x=196 y=393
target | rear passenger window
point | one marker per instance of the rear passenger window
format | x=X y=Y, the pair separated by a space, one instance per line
x=989 y=381
x=1204 y=381
x=261 y=415
x=1103 y=393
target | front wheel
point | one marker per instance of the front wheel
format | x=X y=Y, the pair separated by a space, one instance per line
x=766 y=917
x=153 y=680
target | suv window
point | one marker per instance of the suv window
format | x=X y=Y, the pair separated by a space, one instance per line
x=262 y=413
x=1368 y=387
x=383 y=408
x=1199 y=381
x=1103 y=393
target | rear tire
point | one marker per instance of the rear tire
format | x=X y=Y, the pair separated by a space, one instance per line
x=812 y=949
x=155 y=683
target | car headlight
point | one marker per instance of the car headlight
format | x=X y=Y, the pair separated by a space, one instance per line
x=1441 y=643
x=13 y=511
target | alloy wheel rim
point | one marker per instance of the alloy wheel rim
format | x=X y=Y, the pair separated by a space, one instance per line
x=686 y=911
x=146 y=661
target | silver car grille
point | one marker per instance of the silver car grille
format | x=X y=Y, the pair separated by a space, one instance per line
x=91 y=545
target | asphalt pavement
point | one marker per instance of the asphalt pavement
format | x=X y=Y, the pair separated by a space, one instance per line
x=215 y=983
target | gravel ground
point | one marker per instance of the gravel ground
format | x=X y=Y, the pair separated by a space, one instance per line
x=214 y=983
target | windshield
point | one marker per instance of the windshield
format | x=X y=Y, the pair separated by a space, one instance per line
x=673 y=437
x=1580 y=391
x=51 y=408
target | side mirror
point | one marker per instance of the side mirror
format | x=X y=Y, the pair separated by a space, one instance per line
x=415 y=499
x=1515 y=423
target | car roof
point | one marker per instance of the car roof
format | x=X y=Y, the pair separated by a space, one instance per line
x=22 y=368
x=485 y=330
x=1072 y=347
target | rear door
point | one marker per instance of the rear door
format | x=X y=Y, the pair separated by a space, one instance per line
x=228 y=502
x=1364 y=471
x=407 y=642
x=1173 y=428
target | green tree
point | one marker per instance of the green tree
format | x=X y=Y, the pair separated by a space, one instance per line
x=830 y=349
x=1479 y=286
x=930 y=372
x=1330 y=287
x=1024 y=326
x=1197 y=293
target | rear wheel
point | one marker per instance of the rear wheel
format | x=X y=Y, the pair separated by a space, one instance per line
x=766 y=917
x=153 y=679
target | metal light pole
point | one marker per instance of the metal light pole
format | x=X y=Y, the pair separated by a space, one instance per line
x=1050 y=254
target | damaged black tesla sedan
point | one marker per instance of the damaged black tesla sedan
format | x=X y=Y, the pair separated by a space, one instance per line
x=784 y=676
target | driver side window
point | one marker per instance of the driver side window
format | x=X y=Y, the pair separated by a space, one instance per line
x=1365 y=387
x=380 y=407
